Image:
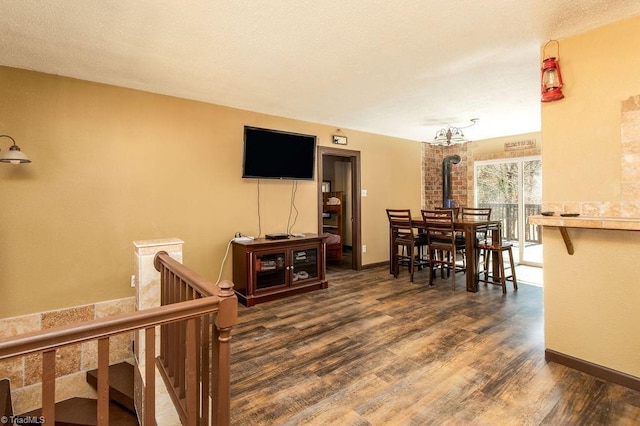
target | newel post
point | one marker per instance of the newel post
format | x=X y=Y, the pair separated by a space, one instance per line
x=226 y=318
x=147 y=283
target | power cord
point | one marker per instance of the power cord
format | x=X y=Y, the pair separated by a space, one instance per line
x=239 y=235
x=293 y=207
x=226 y=253
x=294 y=188
x=259 y=218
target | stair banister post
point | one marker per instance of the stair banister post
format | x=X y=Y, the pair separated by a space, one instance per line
x=147 y=280
x=103 y=382
x=49 y=386
x=227 y=317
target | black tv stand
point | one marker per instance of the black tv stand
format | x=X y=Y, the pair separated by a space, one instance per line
x=276 y=236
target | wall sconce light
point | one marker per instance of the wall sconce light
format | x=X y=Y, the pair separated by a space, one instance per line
x=14 y=155
x=551 y=79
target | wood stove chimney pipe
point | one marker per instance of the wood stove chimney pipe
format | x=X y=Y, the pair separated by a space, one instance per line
x=446 y=179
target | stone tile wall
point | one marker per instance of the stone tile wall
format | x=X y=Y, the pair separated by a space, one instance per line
x=72 y=361
x=630 y=139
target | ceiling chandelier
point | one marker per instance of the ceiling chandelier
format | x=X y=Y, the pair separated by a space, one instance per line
x=452 y=135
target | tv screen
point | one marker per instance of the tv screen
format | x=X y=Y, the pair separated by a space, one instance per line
x=273 y=154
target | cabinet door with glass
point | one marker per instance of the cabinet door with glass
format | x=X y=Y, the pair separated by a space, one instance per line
x=304 y=262
x=271 y=269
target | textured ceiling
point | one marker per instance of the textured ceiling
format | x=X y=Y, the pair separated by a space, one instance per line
x=404 y=68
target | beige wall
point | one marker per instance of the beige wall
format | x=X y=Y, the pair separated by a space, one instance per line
x=591 y=298
x=489 y=149
x=113 y=165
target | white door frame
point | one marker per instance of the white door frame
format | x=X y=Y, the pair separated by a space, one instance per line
x=521 y=211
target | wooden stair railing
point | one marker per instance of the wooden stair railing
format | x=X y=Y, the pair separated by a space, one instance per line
x=6 y=409
x=182 y=317
x=179 y=285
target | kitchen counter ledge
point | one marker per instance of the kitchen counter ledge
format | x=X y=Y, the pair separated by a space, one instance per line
x=585 y=222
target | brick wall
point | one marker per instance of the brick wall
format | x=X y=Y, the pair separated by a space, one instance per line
x=432 y=157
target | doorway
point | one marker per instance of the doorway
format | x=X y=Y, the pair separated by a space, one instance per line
x=512 y=187
x=339 y=176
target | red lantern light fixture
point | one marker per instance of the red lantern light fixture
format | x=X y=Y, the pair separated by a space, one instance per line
x=551 y=79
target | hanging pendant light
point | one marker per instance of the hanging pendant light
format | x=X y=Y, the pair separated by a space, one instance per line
x=551 y=78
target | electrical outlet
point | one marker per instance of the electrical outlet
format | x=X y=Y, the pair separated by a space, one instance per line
x=364 y=248
x=133 y=280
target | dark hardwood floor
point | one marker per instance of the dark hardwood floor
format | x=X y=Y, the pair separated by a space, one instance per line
x=373 y=350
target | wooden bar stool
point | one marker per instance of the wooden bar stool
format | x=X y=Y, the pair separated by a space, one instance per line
x=493 y=248
x=477 y=213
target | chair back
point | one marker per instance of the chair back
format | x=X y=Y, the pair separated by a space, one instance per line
x=493 y=233
x=439 y=227
x=456 y=210
x=477 y=213
x=401 y=224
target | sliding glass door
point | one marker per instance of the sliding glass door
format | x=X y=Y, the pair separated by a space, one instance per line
x=513 y=189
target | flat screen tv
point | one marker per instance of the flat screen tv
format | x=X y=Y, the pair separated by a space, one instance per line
x=274 y=154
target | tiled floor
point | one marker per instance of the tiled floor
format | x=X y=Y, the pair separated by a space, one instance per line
x=530 y=274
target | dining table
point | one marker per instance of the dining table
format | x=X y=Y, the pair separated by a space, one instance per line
x=469 y=226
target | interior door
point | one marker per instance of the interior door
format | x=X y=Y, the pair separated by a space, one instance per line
x=352 y=224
